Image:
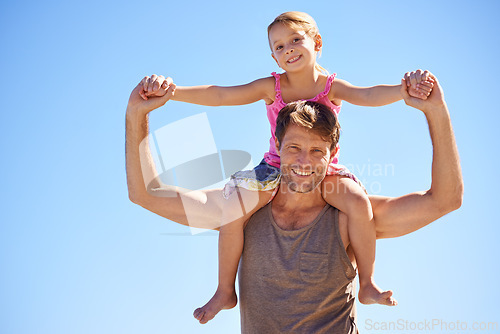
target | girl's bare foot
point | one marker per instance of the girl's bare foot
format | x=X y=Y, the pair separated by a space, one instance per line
x=222 y=300
x=372 y=294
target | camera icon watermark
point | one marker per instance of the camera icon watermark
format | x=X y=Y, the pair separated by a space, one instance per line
x=185 y=155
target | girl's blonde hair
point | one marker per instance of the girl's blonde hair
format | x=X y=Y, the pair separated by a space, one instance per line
x=299 y=20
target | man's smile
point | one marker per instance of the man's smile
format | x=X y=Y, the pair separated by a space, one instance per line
x=302 y=173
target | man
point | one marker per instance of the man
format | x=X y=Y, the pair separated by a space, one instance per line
x=295 y=274
x=297 y=295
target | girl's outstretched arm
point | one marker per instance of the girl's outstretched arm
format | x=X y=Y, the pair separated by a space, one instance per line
x=365 y=96
x=380 y=95
x=210 y=95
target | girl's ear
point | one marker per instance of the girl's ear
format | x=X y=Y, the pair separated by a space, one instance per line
x=318 y=42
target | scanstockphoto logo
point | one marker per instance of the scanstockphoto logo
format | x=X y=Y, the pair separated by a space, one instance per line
x=431 y=325
x=185 y=155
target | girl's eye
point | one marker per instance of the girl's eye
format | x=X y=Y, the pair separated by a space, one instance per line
x=296 y=40
x=279 y=48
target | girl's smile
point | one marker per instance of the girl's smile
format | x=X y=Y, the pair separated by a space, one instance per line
x=293 y=60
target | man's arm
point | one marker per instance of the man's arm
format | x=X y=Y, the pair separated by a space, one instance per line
x=190 y=208
x=398 y=216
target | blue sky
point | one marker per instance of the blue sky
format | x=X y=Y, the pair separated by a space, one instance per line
x=78 y=257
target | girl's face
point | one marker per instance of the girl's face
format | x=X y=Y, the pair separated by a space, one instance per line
x=293 y=49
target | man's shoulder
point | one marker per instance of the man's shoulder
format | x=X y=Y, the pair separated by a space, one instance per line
x=261 y=214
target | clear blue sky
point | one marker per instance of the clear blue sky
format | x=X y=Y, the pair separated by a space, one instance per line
x=77 y=257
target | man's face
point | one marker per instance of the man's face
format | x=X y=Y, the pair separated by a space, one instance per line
x=304 y=159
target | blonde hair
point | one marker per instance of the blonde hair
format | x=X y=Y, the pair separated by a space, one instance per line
x=299 y=20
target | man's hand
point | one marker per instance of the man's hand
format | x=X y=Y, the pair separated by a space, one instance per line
x=434 y=101
x=419 y=83
x=161 y=91
x=154 y=86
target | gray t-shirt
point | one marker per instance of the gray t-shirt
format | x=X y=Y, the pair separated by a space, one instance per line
x=298 y=281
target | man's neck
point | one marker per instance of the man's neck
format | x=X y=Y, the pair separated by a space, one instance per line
x=292 y=210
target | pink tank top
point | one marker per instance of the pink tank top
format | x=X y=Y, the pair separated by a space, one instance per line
x=273 y=109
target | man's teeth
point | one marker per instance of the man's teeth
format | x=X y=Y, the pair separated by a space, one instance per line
x=302 y=173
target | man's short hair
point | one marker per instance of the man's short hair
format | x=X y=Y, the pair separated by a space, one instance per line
x=312 y=115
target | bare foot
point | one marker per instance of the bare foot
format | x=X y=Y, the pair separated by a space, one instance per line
x=220 y=301
x=372 y=294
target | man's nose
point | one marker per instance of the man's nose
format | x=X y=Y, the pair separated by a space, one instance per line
x=304 y=159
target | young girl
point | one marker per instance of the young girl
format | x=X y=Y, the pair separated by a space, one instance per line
x=295 y=42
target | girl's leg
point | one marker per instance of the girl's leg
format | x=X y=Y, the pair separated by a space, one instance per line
x=347 y=196
x=238 y=208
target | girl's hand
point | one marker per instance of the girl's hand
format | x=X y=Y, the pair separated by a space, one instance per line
x=154 y=86
x=419 y=83
x=434 y=102
x=139 y=103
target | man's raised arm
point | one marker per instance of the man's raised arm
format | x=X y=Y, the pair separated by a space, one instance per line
x=398 y=216
x=190 y=208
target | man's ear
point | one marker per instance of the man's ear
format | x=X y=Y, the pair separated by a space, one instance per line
x=333 y=153
x=277 y=143
x=318 y=42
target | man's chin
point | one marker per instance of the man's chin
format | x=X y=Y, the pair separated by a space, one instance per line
x=300 y=186
x=302 y=189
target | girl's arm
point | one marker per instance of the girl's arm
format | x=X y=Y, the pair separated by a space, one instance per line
x=419 y=85
x=261 y=89
x=365 y=96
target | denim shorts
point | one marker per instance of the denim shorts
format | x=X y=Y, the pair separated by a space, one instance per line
x=262 y=178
